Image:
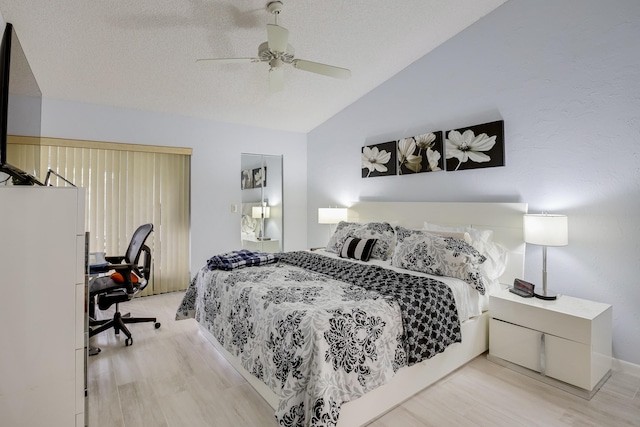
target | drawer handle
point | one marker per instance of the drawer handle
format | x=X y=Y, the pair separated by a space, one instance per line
x=543 y=362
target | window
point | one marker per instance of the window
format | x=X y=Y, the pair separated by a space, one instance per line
x=126 y=185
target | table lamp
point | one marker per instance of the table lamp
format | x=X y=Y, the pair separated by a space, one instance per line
x=261 y=213
x=546 y=230
x=331 y=216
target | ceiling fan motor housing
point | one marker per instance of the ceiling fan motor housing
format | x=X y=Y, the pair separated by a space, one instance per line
x=267 y=55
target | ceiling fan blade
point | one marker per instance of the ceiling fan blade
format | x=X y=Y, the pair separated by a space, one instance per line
x=229 y=60
x=276 y=79
x=277 y=37
x=324 y=69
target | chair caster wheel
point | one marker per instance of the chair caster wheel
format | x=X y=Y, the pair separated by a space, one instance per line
x=157 y=325
x=128 y=342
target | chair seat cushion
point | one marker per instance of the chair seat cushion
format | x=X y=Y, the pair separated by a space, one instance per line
x=118 y=278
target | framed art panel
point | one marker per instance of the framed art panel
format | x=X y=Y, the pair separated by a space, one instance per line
x=260 y=177
x=420 y=153
x=479 y=146
x=246 y=179
x=379 y=159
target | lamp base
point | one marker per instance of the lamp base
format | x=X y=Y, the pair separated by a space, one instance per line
x=546 y=295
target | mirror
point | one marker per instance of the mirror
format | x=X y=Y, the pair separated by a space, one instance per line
x=261 y=225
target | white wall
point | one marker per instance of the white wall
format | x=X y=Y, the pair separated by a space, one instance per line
x=565 y=78
x=215 y=165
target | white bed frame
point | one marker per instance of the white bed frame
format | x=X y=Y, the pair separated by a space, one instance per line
x=505 y=219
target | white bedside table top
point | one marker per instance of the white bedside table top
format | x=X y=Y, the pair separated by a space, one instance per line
x=563 y=304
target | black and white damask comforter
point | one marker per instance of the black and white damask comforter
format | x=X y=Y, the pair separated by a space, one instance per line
x=321 y=331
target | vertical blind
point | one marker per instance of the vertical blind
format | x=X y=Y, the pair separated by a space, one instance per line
x=126 y=185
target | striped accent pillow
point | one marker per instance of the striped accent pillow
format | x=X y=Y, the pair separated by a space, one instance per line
x=357 y=248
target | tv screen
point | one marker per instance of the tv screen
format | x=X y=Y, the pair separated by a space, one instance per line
x=20 y=102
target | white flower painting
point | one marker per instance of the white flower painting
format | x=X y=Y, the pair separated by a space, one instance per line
x=253 y=178
x=479 y=146
x=420 y=153
x=379 y=159
x=260 y=177
x=246 y=179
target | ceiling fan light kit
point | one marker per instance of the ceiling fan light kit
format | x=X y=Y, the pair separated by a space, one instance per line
x=277 y=51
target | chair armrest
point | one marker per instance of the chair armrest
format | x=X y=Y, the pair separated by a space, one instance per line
x=121 y=267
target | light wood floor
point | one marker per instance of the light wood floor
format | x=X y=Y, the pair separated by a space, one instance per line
x=173 y=377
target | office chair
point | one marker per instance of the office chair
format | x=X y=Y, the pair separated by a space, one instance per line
x=130 y=277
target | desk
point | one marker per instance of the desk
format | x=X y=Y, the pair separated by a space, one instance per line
x=98 y=266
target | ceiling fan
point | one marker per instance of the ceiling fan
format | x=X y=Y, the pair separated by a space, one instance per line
x=276 y=51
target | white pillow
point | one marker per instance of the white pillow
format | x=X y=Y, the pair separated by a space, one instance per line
x=455 y=234
x=477 y=235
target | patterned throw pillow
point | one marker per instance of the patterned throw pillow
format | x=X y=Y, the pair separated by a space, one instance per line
x=383 y=231
x=419 y=250
x=359 y=249
x=481 y=239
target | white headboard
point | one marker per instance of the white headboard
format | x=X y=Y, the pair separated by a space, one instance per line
x=505 y=219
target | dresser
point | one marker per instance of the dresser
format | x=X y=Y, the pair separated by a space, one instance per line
x=564 y=342
x=42 y=306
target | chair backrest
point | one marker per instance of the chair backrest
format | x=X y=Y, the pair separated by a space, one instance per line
x=136 y=246
x=137 y=242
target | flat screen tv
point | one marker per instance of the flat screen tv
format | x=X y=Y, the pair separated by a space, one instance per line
x=20 y=103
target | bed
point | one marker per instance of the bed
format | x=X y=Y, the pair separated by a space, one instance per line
x=335 y=340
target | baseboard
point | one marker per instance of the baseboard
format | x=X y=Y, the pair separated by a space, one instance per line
x=626 y=367
x=577 y=391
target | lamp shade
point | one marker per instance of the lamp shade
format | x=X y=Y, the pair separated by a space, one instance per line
x=257 y=211
x=546 y=230
x=331 y=215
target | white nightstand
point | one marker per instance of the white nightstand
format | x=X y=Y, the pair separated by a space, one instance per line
x=272 y=245
x=564 y=342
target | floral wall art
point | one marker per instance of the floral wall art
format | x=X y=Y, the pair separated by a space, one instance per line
x=246 y=179
x=480 y=146
x=420 y=153
x=253 y=178
x=379 y=159
x=260 y=177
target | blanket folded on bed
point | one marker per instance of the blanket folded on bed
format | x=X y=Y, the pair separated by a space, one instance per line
x=240 y=259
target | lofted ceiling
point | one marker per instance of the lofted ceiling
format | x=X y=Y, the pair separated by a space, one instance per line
x=142 y=54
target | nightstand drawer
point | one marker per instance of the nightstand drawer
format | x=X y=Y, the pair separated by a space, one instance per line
x=562 y=359
x=569 y=361
x=515 y=344
x=543 y=316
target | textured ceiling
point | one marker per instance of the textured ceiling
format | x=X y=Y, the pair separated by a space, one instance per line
x=142 y=54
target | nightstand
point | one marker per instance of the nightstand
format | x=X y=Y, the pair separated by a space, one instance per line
x=565 y=342
x=271 y=245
